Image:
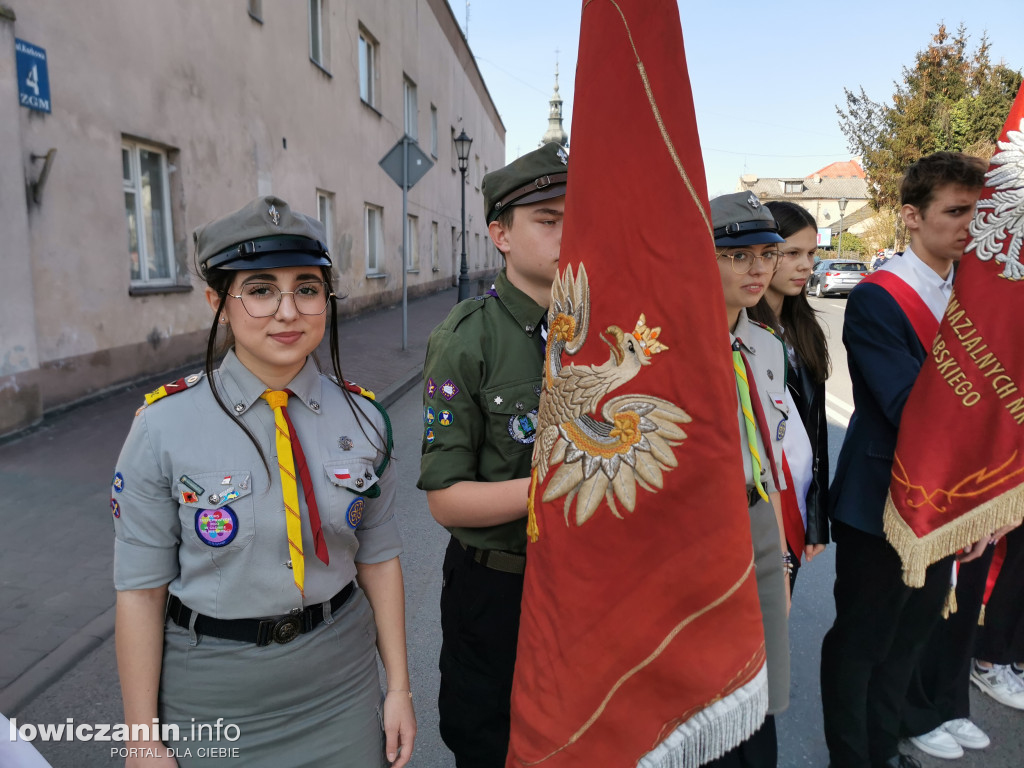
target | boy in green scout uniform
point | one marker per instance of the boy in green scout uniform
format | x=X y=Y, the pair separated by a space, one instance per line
x=482 y=382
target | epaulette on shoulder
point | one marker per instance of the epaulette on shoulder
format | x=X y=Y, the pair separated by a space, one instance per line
x=462 y=310
x=353 y=387
x=171 y=389
x=763 y=325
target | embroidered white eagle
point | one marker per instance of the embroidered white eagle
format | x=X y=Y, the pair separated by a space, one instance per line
x=1001 y=217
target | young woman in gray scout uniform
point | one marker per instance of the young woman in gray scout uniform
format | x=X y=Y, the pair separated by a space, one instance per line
x=275 y=602
x=482 y=381
x=746 y=243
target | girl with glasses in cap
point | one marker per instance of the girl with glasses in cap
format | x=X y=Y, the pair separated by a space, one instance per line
x=805 y=506
x=256 y=549
x=746 y=248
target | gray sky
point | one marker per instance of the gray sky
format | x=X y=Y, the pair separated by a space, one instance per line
x=766 y=78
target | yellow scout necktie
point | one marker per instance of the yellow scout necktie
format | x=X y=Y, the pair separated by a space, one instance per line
x=278 y=401
x=742 y=384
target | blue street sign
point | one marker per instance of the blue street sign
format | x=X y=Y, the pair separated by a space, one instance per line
x=33 y=79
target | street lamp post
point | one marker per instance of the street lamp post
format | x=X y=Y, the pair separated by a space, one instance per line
x=462 y=142
x=842 y=208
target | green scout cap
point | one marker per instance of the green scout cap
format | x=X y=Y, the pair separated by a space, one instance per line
x=740 y=219
x=538 y=175
x=265 y=234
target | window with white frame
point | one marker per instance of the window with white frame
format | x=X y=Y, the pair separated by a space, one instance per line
x=435 y=248
x=367 y=68
x=316 y=32
x=433 y=131
x=373 y=231
x=411 y=113
x=412 y=253
x=147 y=208
x=325 y=213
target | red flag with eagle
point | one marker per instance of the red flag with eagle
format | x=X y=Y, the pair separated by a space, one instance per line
x=958 y=472
x=641 y=639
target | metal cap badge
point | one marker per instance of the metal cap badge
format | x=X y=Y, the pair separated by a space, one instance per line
x=264 y=234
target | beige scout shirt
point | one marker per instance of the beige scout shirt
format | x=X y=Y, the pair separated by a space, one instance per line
x=767 y=356
x=223 y=549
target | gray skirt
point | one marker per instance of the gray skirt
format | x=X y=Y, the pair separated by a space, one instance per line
x=315 y=701
x=771 y=591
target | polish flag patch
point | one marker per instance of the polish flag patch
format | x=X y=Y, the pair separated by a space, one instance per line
x=342 y=474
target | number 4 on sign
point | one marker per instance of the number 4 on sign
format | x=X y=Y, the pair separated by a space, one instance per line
x=32 y=81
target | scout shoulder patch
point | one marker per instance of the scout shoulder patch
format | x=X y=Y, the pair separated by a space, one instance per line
x=173 y=388
x=353 y=387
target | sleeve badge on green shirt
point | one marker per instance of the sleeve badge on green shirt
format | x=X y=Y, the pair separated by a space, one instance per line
x=428 y=415
x=431 y=388
x=429 y=435
x=445 y=418
x=449 y=390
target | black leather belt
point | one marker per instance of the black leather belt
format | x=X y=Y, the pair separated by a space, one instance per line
x=278 y=629
x=497 y=560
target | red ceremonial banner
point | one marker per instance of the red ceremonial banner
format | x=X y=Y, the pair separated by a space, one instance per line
x=641 y=639
x=958 y=472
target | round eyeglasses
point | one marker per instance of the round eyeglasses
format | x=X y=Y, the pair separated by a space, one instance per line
x=742 y=261
x=264 y=299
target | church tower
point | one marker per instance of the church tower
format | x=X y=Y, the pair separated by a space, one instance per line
x=555 y=132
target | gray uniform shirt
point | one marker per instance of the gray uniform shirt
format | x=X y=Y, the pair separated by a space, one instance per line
x=224 y=550
x=767 y=356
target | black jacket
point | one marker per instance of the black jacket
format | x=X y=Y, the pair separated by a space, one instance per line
x=810 y=403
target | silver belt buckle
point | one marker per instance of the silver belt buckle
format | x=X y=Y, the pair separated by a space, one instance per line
x=287 y=629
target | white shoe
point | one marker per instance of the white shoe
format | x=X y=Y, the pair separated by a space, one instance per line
x=966 y=733
x=938 y=743
x=999 y=683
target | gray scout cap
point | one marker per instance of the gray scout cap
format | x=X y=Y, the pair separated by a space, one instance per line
x=740 y=219
x=263 y=235
x=538 y=175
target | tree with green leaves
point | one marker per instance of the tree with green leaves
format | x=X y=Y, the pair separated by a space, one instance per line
x=951 y=99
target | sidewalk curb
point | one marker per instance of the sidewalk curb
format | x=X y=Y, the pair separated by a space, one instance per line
x=45 y=672
x=51 y=667
x=391 y=394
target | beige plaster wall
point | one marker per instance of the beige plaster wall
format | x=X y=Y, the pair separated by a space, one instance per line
x=242 y=111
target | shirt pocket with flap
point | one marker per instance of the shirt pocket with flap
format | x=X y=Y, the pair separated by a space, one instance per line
x=216 y=509
x=350 y=483
x=512 y=415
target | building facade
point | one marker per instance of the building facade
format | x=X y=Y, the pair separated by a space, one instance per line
x=819 y=193
x=163 y=116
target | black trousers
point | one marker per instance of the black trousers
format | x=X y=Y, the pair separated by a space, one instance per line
x=869 y=654
x=759 y=751
x=940 y=686
x=480 y=629
x=1002 y=638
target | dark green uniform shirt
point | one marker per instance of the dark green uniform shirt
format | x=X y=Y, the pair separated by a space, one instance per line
x=481 y=388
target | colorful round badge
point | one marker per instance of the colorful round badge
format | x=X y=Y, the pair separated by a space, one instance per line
x=354 y=513
x=781 y=431
x=428 y=415
x=429 y=435
x=216 y=527
x=523 y=427
x=115 y=507
x=118 y=482
x=445 y=418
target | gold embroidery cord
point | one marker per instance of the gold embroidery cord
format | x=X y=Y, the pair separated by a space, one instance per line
x=919 y=553
x=657 y=117
x=648 y=661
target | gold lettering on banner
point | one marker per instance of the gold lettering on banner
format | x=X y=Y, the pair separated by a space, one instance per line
x=949 y=367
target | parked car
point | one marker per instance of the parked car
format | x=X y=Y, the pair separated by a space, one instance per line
x=836 y=277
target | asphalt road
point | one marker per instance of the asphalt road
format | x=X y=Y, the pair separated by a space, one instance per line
x=89 y=693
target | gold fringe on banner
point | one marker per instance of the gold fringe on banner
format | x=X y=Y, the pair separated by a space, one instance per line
x=919 y=553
